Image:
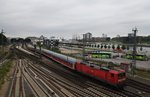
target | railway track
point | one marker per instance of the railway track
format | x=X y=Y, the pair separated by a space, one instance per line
x=23 y=84
x=139 y=86
x=94 y=89
x=13 y=83
x=36 y=87
x=98 y=85
x=62 y=85
x=54 y=76
x=16 y=87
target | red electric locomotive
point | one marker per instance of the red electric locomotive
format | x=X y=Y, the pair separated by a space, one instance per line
x=115 y=77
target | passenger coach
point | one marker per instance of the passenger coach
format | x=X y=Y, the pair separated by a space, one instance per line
x=115 y=77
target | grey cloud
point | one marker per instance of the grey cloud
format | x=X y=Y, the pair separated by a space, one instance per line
x=66 y=17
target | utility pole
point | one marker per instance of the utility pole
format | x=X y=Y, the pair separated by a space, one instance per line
x=40 y=52
x=134 y=52
x=84 y=42
x=40 y=45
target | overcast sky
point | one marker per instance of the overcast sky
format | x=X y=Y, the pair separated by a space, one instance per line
x=64 y=18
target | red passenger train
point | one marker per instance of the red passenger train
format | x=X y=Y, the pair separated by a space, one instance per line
x=115 y=77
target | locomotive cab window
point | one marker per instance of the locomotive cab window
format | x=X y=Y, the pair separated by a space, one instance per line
x=92 y=66
x=112 y=75
x=121 y=75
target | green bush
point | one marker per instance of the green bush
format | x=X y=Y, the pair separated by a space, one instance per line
x=4 y=69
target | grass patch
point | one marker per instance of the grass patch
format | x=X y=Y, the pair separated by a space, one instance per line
x=2 y=54
x=4 y=69
x=142 y=73
x=10 y=55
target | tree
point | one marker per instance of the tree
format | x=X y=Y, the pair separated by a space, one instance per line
x=113 y=46
x=101 y=46
x=123 y=47
x=3 y=39
x=13 y=40
x=105 y=46
x=27 y=40
x=20 y=40
x=141 y=48
x=35 y=47
x=118 y=47
x=91 y=45
x=128 y=48
x=98 y=46
x=39 y=43
x=108 y=46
